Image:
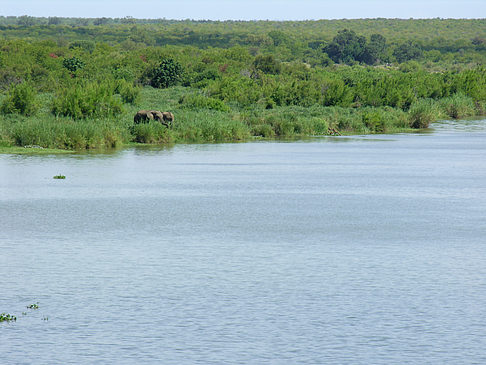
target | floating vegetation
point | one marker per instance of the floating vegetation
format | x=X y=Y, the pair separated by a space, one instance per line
x=33 y=306
x=59 y=177
x=5 y=317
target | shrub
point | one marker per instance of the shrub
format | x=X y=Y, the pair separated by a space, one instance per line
x=421 y=113
x=72 y=64
x=21 y=99
x=458 y=106
x=267 y=64
x=168 y=73
x=129 y=93
x=86 y=99
x=196 y=101
x=374 y=121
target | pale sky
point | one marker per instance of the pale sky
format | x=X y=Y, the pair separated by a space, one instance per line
x=247 y=9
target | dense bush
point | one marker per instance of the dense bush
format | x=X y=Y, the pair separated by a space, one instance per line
x=21 y=99
x=167 y=73
x=86 y=99
x=129 y=94
x=195 y=101
x=422 y=113
x=267 y=64
x=73 y=64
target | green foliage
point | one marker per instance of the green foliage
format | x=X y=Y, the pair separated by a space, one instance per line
x=376 y=49
x=374 y=120
x=422 y=113
x=73 y=64
x=196 y=101
x=347 y=47
x=49 y=132
x=21 y=99
x=239 y=79
x=53 y=20
x=167 y=73
x=26 y=21
x=151 y=133
x=267 y=64
x=458 y=106
x=129 y=94
x=86 y=99
x=5 y=317
x=88 y=46
x=407 y=51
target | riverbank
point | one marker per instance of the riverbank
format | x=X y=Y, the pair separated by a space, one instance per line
x=194 y=123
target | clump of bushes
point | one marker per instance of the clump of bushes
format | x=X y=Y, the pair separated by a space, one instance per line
x=458 y=106
x=267 y=64
x=72 y=64
x=86 y=99
x=374 y=120
x=167 y=73
x=422 y=112
x=128 y=93
x=195 y=101
x=21 y=99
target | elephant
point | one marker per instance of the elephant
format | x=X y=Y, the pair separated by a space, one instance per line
x=166 y=118
x=143 y=116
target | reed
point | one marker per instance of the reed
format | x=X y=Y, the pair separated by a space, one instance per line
x=422 y=113
x=459 y=106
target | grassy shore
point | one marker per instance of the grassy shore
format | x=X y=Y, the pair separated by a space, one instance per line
x=208 y=122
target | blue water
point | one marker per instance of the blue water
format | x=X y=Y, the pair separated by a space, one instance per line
x=342 y=250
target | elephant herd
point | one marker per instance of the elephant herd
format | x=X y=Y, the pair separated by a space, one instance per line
x=145 y=116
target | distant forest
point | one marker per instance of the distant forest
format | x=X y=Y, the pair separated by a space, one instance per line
x=292 y=40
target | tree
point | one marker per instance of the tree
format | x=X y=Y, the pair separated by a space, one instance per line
x=26 y=21
x=347 y=47
x=407 y=51
x=168 y=73
x=376 y=48
x=100 y=21
x=73 y=64
x=128 y=20
x=267 y=64
x=54 y=20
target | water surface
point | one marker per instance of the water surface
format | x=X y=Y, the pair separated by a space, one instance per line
x=347 y=250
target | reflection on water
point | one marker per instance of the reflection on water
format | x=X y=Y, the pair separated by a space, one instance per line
x=362 y=250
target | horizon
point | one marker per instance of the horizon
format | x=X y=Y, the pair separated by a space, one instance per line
x=249 y=10
x=230 y=20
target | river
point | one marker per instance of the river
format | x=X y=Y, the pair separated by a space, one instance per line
x=337 y=250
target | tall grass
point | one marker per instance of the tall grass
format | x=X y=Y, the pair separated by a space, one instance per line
x=208 y=126
x=423 y=112
x=66 y=134
x=459 y=106
x=87 y=100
